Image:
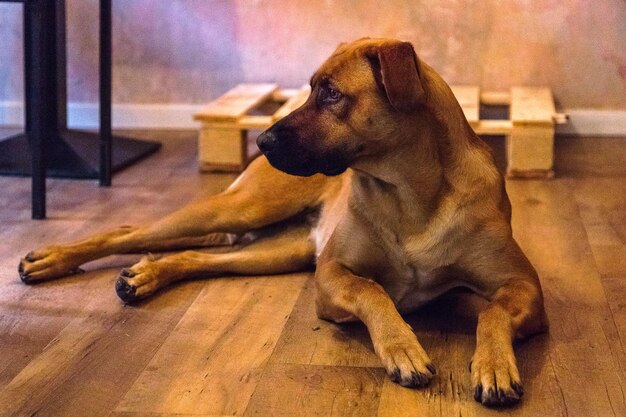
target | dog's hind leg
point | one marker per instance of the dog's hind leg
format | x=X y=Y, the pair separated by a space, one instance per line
x=289 y=250
x=260 y=196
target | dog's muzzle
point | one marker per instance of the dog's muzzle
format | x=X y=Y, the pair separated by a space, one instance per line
x=284 y=154
x=282 y=148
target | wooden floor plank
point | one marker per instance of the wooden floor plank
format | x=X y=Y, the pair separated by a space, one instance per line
x=92 y=362
x=305 y=390
x=211 y=362
x=583 y=157
x=142 y=414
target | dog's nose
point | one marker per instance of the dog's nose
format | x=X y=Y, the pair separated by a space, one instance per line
x=266 y=141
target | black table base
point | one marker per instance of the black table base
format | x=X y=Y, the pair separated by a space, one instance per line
x=72 y=154
x=48 y=147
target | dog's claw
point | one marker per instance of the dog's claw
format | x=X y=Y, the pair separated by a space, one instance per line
x=419 y=379
x=395 y=375
x=125 y=291
x=517 y=388
x=24 y=276
x=500 y=395
x=30 y=257
x=478 y=392
x=431 y=368
x=497 y=397
x=490 y=396
x=416 y=380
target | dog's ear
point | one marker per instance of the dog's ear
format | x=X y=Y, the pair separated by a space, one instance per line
x=396 y=69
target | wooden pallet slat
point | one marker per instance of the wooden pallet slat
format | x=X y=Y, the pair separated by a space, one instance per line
x=495 y=98
x=532 y=105
x=236 y=102
x=493 y=127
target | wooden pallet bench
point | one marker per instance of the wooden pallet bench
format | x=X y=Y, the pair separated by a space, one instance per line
x=529 y=130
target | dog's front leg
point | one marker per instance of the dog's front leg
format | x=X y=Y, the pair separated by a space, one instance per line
x=515 y=311
x=343 y=296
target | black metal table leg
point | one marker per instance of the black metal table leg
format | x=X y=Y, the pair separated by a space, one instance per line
x=39 y=46
x=105 y=92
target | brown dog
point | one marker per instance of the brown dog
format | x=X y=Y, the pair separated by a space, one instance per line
x=410 y=205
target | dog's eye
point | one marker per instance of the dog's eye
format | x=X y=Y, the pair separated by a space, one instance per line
x=331 y=95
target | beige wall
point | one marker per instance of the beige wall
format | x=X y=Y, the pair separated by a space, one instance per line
x=189 y=51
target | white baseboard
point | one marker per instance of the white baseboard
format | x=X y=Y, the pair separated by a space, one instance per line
x=584 y=122
x=124 y=116
x=179 y=116
x=11 y=113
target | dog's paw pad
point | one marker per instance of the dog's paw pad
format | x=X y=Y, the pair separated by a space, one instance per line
x=125 y=291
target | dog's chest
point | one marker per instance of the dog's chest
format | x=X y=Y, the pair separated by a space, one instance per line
x=412 y=275
x=401 y=230
x=377 y=234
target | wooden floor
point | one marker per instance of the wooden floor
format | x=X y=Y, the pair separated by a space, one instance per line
x=253 y=346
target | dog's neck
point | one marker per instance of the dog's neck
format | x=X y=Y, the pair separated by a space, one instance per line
x=441 y=159
x=414 y=182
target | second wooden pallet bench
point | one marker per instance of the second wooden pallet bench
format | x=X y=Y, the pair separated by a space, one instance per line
x=529 y=129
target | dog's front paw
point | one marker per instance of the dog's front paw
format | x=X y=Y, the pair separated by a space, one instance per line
x=406 y=361
x=495 y=377
x=45 y=264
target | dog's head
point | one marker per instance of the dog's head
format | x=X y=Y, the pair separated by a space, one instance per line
x=359 y=99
